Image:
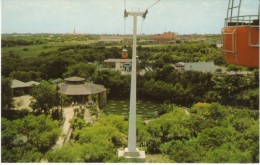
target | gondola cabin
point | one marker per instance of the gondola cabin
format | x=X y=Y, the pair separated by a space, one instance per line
x=240 y=38
x=124 y=53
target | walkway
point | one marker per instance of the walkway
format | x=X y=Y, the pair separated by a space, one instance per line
x=68 y=114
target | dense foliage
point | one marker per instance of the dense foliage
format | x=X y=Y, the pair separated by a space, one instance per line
x=203 y=133
x=93 y=143
x=27 y=139
x=6 y=93
x=46 y=96
x=187 y=88
x=206 y=133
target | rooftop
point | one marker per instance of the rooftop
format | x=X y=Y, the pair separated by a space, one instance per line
x=73 y=79
x=83 y=88
x=118 y=60
x=203 y=67
x=20 y=84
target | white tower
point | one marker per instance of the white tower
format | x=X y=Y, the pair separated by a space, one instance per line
x=132 y=153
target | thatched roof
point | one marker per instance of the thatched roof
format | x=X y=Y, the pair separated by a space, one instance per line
x=73 y=79
x=83 y=88
x=19 y=84
x=32 y=83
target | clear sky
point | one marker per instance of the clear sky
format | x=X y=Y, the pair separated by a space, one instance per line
x=106 y=16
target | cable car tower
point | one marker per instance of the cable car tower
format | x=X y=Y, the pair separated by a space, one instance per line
x=240 y=37
x=131 y=152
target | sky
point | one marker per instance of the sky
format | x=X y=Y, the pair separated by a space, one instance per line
x=107 y=16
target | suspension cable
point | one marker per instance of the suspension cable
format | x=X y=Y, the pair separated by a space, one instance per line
x=152 y=4
x=141 y=27
x=146 y=11
x=144 y=16
x=124 y=18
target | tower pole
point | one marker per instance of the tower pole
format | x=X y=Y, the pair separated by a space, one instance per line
x=132 y=153
x=132 y=113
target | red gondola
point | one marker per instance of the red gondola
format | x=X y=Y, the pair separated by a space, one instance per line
x=240 y=38
x=124 y=53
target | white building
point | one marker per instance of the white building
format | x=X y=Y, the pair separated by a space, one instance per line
x=119 y=64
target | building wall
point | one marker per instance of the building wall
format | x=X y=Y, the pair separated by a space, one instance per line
x=164 y=36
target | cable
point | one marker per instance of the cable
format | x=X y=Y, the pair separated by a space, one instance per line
x=124 y=25
x=141 y=27
x=145 y=13
x=152 y=5
x=125 y=15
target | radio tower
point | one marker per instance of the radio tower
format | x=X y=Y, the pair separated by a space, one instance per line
x=132 y=153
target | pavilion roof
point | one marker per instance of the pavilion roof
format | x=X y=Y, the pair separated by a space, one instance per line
x=32 y=83
x=81 y=89
x=74 y=79
x=19 y=84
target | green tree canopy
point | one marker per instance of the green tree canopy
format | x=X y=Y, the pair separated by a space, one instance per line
x=45 y=96
x=6 y=93
x=28 y=139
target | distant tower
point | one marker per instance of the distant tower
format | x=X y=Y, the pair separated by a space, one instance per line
x=74 y=30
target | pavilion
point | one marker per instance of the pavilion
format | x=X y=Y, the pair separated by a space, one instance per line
x=83 y=92
x=22 y=88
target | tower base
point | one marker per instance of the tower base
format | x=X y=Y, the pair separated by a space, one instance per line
x=133 y=157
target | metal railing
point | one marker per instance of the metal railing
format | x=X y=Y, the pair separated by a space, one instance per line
x=251 y=20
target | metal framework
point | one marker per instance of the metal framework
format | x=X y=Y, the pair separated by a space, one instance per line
x=234 y=18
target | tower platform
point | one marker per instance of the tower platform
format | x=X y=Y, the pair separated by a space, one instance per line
x=133 y=157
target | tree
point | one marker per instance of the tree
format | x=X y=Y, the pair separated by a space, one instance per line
x=69 y=153
x=7 y=94
x=82 y=70
x=25 y=75
x=94 y=143
x=56 y=66
x=28 y=139
x=11 y=63
x=182 y=151
x=227 y=153
x=168 y=127
x=118 y=84
x=211 y=138
x=45 y=97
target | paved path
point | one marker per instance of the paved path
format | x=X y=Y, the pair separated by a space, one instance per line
x=68 y=114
